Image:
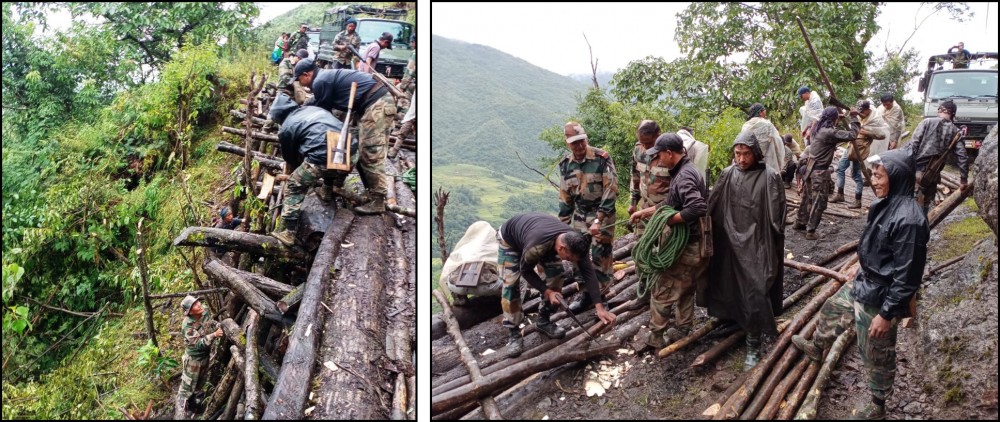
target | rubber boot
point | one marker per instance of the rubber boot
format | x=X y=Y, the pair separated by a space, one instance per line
x=545 y=325
x=753 y=352
x=287 y=236
x=856 y=204
x=675 y=334
x=516 y=343
x=870 y=412
x=376 y=206
x=839 y=197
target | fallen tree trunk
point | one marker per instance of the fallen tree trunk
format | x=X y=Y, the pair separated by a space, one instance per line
x=250 y=374
x=234 y=334
x=253 y=297
x=489 y=405
x=777 y=374
x=271 y=288
x=264 y=159
x=774 y=403
x=479 y=309
x=256 y=244
x=195 y=293
x=221 y=393
x=351 y=196
x=354 y=336
x=255 y=135
x=291 y=391
x=808 y=409
x=241 y=115
x=624 y=251
x=290 y=300
x=799 y=393
x=237 y=392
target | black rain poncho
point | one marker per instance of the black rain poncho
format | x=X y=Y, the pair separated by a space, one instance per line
x=893 y=248
x=303 y=131
x=746 y=274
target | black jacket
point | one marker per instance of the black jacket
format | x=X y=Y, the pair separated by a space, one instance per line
x=303 y=131
x=332 y=89
x=893 y=249
x=687 y=195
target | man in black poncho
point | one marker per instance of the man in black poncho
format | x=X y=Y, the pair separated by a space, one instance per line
x=745 y=276
x=892 y=255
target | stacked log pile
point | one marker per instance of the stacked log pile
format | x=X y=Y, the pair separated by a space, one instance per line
x=313 y=331
x=785 y=383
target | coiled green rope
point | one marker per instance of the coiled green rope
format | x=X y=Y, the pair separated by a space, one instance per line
x=410 y=178
x=655 y=253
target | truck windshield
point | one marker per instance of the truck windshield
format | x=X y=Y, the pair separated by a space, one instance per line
x=963 y=85
x=370 y=30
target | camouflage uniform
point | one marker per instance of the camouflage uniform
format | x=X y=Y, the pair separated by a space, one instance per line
x=588 y=191
x=373 y=133
x=649 y=184
x=198 y=339
x=878 y=355
x=285 y=73
x=302 y=179
x=343 y=58
x=676 y=287
x=510 y=271
x=815 y=194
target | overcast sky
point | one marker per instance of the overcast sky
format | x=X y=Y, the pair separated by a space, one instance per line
x=551 y=35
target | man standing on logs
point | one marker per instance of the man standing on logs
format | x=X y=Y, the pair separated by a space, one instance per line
x=676 y=285
x=745 y=275
x=303 y=146
x=892 y=255
x=587 y=193
x=332 y=90
x=873 y=127
x=816 y=187
x=532 y=239
x=931 y=139
x=198 y=342
x=649 y=184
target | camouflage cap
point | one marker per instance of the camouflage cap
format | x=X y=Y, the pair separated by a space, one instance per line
x=188 y=303
x=574 y=132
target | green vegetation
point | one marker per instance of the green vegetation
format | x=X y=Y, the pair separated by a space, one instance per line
x=959 y=237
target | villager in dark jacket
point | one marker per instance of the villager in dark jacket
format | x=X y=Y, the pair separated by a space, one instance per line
x=892 y=256
x=817 y=186
x=745 y=275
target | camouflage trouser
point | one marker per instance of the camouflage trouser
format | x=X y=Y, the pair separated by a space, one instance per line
x=304 y=177
x=878 y=355
x=510 y=271
x=815 y=193
x=926 y=190
x=373 y=133
x=676 y=286
x=600 y=246
x=192 y=371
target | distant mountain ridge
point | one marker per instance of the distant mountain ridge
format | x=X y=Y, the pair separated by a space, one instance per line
x=487 y=104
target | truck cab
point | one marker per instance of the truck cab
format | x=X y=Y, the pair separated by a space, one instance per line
x=372 y=22
x=972 y=87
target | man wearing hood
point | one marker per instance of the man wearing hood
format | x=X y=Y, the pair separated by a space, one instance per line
x=745 y=275
x=303 y=147
x=676 y=285
x=817 y=185
x=892 y=255
x=768 y=137
x=931 y=139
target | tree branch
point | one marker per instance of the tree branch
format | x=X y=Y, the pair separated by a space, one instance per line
x=536 y=171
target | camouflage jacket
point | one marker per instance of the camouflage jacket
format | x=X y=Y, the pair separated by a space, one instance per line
x=298 y=41
x=285 y=73
x=650 y=181
x=587 y=186
x=344 y=57
x=196 y=336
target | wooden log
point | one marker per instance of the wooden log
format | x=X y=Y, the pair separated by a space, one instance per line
x=358 y=200
x=624 y=251
x=195 y=293
x=354 y=336
x=735 y=405
x=816 y=270
x=237 y=392
x=264 y=159
x=691 y=338
x=220 y=395
x=810 y=405
x=936 y=215
x=242 y=116
x=250 y=374
x=291 y=300
x=774 y=403
x=799 y=393
x=401 y=312
x=255 y=135
x=946 y=264
x=479 y=309
x=720 y=348
x=270 y=287
x=733 y=386
x=270 y=367
x=234 y=334
x=256 y=299
x=291 y=391
x=490 y=408
x=411 y=387
x=777 y=374
x=255 y=244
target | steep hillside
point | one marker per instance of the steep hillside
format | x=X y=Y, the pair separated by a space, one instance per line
x=486 y=104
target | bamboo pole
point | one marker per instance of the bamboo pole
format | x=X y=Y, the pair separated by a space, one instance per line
x=800 y=391
x=777 y=374
x=773 y=404
x=809 y=407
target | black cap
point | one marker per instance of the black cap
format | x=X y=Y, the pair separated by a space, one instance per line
x=303 y=66
x=863 y=105
x=950 y=106
x=386 y=37
x=302 y=53
x=887 y=98
x=667 y=142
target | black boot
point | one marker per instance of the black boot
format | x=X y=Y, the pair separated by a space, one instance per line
x=545 y=325
x=516 y=343
x=580 y=303
x=287 y=236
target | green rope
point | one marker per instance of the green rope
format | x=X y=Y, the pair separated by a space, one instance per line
x=654 y=253
x=410 y=178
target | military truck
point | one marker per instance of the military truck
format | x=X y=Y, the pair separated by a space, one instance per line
x=372 y=22
x=973 y=89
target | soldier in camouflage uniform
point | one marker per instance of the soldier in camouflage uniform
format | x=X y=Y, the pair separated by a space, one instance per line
x=649 y=184
x=285 y=73
x=343 y=56
x=892 y=255
x=587 y=193
x=198 y=341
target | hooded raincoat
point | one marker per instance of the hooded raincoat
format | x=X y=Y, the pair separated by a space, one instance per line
x=893 y=248
x=745 y=277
